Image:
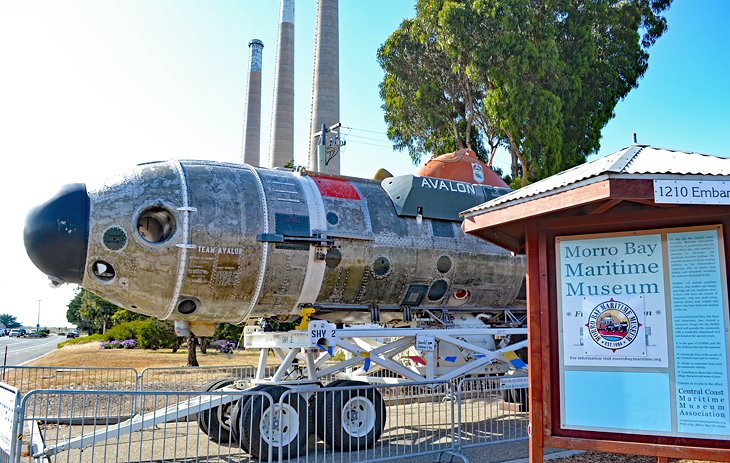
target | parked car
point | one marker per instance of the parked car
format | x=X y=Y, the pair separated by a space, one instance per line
x=73 y=334
x=15 y=333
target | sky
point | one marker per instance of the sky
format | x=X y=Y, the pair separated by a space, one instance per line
x=91 y=87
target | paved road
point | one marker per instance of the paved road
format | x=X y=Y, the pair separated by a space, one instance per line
x=22 y=350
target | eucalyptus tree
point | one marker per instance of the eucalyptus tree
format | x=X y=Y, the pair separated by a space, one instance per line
x=541 y=77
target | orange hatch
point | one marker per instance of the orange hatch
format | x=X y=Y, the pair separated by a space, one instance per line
x=462 y=166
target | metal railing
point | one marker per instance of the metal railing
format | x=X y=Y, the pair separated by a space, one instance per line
x=191 y=379
x=28 y=378
x=345 y=421
x=491 y=410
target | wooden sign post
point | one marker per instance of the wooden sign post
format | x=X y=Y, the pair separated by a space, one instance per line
x=627 y=294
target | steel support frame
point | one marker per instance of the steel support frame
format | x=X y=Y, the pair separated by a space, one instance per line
x=359 y=344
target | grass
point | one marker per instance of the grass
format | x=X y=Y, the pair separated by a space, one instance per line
x=81 y=340
x=85 y=352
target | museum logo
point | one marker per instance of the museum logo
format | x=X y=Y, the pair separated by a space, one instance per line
x=613 y=325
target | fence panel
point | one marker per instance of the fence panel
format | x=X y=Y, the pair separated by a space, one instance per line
x=28 y=378
x=351 y=421
x=491 y=410
x=191 y=379
x=135 y=426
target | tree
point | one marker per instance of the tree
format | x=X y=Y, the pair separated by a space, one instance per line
x=90 y=313
x=9 y=321
x=124 y=315
x=192 y=356
x=539 y=77
x=430 y=102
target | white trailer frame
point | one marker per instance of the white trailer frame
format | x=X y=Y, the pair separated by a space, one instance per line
x=316 y=345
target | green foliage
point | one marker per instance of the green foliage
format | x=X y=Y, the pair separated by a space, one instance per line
x=541 y=78
x=228 y=331
x=9 y=321
x=90 y=313
x=81 y=340
x=124 y=315
x=124 y=331
x=155 y=334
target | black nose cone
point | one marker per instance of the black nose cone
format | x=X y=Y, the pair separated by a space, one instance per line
x=56 y=234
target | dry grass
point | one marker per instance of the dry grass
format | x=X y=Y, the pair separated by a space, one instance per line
x=90 y=355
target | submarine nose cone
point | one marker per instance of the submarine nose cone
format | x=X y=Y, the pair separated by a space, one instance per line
x=57 y=232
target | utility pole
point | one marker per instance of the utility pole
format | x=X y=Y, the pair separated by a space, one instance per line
x=328 y=148
x=38 y=322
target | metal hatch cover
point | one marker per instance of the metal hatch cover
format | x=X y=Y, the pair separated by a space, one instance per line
x=436 y=198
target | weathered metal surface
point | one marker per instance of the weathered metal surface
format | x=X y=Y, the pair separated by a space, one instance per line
x=247 y=241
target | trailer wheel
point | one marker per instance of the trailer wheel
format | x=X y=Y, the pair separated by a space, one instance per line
x=268 y=427
x=216 y=421
x=350 y=419
x=237 y=415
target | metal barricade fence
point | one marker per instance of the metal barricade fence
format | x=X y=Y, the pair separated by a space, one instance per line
x=106 y=426
x=351 y=421
x=28 y=378
x=491 y=410
x=191 y=379
x=344 y=421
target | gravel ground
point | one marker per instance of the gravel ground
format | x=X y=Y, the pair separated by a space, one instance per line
x=595 y=457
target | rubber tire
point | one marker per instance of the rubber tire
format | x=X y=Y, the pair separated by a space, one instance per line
x=220 y=433
x=236 y=415
x=317 y=418
x=330 y=429
x=251 y=414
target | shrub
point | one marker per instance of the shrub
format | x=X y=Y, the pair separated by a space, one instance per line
x=228 y=331
x=82 y=340
x=124 y=331
x=127 y=344
x=156 y=335
x=225 y=347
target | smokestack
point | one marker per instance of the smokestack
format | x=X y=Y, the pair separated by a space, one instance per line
x=326 y=80
x=282 y=132
x=252 y=128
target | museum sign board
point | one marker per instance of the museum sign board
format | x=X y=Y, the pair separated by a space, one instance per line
x=643 y=332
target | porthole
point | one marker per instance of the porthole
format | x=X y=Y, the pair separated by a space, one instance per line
x=443 y=265
x=155 y=224
x=103 y=270
x=332 y=218
x=437 y=290
x=114 y=238
x=381 y=266
x=187 y=306
x=333 y=258
x=461 y=294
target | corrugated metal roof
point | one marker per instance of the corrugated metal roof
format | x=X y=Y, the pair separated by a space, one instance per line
x=634 y=159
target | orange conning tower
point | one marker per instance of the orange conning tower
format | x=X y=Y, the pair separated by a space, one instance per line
x=462 y=166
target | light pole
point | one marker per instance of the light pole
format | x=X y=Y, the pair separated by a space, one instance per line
x=38 y=323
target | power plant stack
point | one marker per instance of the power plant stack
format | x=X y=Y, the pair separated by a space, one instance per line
x=252 y=131
x=326 y=84
x=282 y=132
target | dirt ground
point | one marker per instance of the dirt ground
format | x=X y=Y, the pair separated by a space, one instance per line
x=90 y=355
x=597 y=457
